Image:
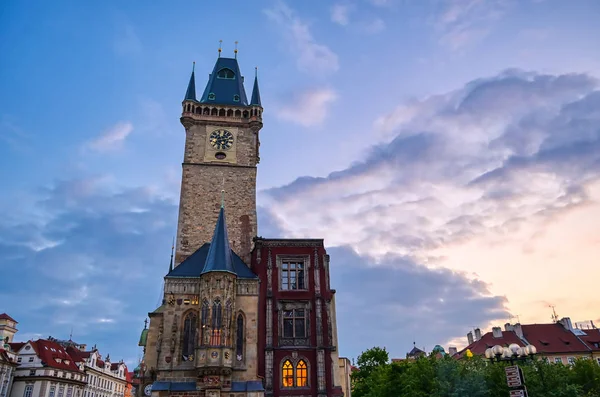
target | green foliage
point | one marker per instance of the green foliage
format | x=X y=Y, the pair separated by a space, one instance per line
x=475 y=377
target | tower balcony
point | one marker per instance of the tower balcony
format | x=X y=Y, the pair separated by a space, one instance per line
x=221 y=113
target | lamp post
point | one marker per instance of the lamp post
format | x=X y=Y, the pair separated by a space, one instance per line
x=514 y=375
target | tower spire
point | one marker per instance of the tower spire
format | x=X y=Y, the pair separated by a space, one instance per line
x=172 y=249
x=255 y=99
x=220 y=49
x=190 y=94
x=220 y=257
x=235 y=51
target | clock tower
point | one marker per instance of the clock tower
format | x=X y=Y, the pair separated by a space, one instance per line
x=221 y=153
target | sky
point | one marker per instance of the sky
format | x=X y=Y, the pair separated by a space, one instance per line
x=448 y=151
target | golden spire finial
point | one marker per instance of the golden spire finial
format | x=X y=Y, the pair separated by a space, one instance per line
x=220 y=49
x=193 y=66
x=235 y=51
x=256 y=71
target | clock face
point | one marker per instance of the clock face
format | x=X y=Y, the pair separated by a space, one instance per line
x=221 y=139
x=148 y=389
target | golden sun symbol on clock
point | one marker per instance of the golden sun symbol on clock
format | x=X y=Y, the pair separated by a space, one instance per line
x=221 y=139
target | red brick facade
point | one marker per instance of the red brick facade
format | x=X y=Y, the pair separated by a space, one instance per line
x=312 y=295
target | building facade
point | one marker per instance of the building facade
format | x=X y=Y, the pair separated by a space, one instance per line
x=46 y=370
x=241 y=315
x=103 y=378
x=8 y=358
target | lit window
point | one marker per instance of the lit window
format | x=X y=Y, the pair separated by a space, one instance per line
x=294 y=323
x=292 y=276
x=217 y=313
x=301 y=374
x=226 y=73
x=288 y=374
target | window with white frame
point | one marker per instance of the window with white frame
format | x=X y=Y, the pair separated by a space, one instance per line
x=28 y=391
x=70 y=391
x=61 y=391
x=52 y=391
x=598 y=359
x=30 y=359
x=571 y=360
x=558 y=360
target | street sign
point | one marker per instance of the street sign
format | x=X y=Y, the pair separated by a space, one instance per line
x=519 y=393
x=513 y=376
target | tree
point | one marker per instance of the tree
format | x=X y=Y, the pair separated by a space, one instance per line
x=366 y=378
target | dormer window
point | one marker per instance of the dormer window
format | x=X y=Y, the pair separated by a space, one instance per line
x=211 y=96
x=226 y=73
x=236 y=98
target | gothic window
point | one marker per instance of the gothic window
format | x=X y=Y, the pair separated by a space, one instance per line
x=217 y=321
x=292 y=275
x=227 y=322
x=301 y=374
x=239 y=338
x=294 y=323
x=288 y=374
x=205 y=313
x=190 y=324
x=226 y=73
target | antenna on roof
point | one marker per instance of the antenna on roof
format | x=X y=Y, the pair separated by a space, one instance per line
x=220 y=49
x=554 y=315
x=235 y=51
x=71 y=334
x=256 y=71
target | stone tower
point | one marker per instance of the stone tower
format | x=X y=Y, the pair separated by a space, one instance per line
x=221 y=153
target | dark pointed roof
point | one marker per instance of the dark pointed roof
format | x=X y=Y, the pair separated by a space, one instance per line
x=225 y=84
x=190 y=94
x=219 y=258
x=193 y=265
x=255 y=100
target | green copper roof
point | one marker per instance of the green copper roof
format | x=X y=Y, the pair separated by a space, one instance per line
x=190 y=94
x=225 y=84
x=143 y=338
x=255 y=99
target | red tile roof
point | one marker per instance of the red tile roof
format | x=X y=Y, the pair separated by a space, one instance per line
x=51 y=353
x=4 y=316
x=100 y=363
x=78 y=355
x=553 y=338
x=15 y=346
x=592 y=338
x=488 y=340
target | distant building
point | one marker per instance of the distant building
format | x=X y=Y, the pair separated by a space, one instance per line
x=8 y=358
x=559 y=342
x=345 y=369
x=46 y=370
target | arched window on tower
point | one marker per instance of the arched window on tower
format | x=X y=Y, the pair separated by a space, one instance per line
x=226 y=73
x=287 y=374
x=217 y=322
x=205 y=313
x=239 y=338
x=190 y=325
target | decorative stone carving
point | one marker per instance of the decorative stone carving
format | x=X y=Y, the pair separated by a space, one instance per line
x=317 y=274
x=269 y=369
x=269 y=272
x=329 y=328
x=159 y=338
x=319 y=322
x=321 y=370
x=269 y=322
x=174 y=332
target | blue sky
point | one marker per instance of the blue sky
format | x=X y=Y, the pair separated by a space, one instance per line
x=445 y=149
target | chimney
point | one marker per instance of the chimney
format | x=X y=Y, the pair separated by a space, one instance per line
x=497 y=332
x=477 y=334
x=452 y=350
x=518 y=330
x=566 y=323
x=508 y=327
x=470 y=337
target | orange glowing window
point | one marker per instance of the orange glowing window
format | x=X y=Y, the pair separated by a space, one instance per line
x=301 y=374
x=288 y=374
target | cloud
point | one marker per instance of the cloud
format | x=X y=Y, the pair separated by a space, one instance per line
x=112 y=138
x=127 y=42
x=101 y=276
x=461 y=23
x=401 y=302
x=374 y=26
x=340 y=13
x=482 y=160
x=311 y=55
x=308 y=108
